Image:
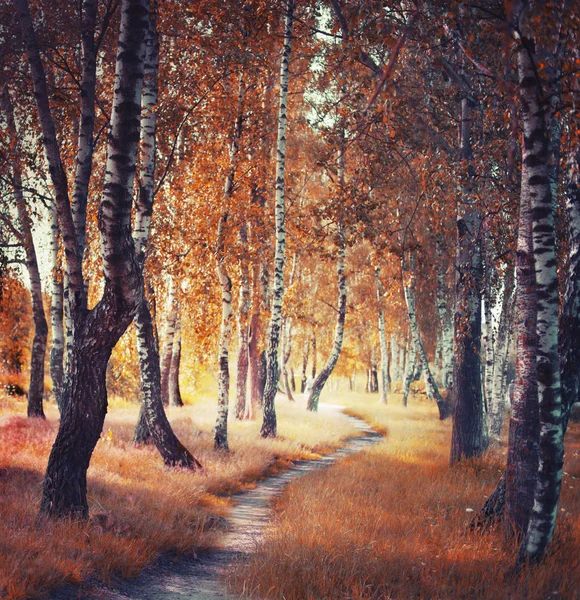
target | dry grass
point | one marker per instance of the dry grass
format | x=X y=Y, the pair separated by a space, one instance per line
x=393 y=522
x=139 y=509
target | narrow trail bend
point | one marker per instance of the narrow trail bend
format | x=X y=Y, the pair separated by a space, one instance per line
x=202 y=578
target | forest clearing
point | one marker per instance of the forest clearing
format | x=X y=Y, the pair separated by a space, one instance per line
x=214 y=214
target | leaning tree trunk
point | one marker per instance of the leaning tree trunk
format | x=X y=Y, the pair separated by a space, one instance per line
x=56 y=316
x=244 y=307
x=536 y=186
x=36 y=388
x=269 y=426
x=153 y=425
x=467 y=439
x=522 y=461
x=328 y=367
x=96 y=331
x=385 y=380
x=433 y=390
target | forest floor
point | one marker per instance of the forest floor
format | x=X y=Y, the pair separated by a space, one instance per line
x=389 y=522
x=139 y=509
x=393 y=522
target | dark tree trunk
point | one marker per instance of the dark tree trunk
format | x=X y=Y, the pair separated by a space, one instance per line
x=98 y=330
x=85 y=393
x=468 y=439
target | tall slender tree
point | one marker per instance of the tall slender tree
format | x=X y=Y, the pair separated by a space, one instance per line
x=269 y=425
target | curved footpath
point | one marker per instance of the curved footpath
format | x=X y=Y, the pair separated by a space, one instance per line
x=202 y=578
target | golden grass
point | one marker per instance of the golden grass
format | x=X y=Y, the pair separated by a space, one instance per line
x=139 y=509
x=393 y=522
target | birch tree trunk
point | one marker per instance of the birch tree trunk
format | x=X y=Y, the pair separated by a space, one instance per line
x=269 y=426
x=174 y=389
x=56 y=315
x=84 y=158
x=498 y=393
x=409 y=371
x=305 y=355
x=152 y=425
x=446 y=335
x=433 y=390
x=38 y=352
x=328 y=367
x=314 y=354
x=96 y=331
x=468 y=439
x=287 y=337
x=570 y=314
x=257 y=356
x=489 y=340
x=536 y=186
x=395 y=351
x=286 y=351
x=167 y=346
x=221 y=426
x=385 y=380
x=244 y=307
x=522 y=461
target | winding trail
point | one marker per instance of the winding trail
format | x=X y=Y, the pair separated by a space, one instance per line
x=202 y=578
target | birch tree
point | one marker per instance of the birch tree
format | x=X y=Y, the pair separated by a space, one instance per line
x=326 y=371
x=24 y=234
x=468 y=438
x=152 y=424
x=385 y=380
x=269 y=426
x=432 y=389
x=536 y=186
x=95 y=331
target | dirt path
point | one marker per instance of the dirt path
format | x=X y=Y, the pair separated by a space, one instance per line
x=201 y=579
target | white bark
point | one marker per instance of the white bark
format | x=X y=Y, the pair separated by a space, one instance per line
x=269 y=427
x=385 y=382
